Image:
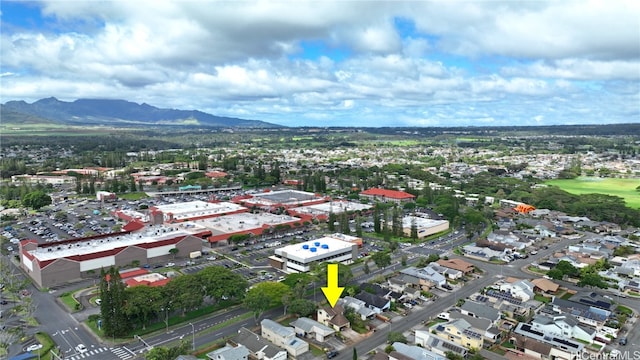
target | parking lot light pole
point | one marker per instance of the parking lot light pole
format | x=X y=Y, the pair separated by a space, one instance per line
x=193 y=337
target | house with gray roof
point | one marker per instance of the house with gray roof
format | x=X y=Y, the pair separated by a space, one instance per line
x=229 y=352
x=479 y=310
x=283 y=336
x=482 y=325
x=358 y=306
x=584 y=313
x=427 y=275
x=374 y=302
x=412 y=352
x=445 y=271
x=312 y=329
x=259 y=347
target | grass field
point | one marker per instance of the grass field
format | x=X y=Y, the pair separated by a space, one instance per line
x=624 y=188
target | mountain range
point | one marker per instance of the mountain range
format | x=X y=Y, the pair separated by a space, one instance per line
x=113 y=113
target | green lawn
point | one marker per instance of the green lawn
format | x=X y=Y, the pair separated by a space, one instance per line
x=624 y=188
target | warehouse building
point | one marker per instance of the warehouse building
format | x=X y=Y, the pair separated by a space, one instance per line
x=223 y=227
x=425 y=226
x=272 y=200
x=304 y=256
x=194 y=210
x=322 y=211
x=52 y=264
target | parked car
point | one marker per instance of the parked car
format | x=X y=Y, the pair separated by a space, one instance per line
x=34 y=347
x=331 y=354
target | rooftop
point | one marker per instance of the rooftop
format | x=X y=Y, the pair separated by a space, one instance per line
x=313 y=249
x=337 y=207
x=284 y=197
x=243 y=221
x=421 y=222
x=150 y=235
x=186 y=210
x=392 y=194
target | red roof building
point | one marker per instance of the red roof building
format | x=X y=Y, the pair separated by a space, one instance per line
x=385 y=195
x=215 y=174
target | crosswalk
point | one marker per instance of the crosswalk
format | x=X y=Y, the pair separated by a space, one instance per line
x=102 y=352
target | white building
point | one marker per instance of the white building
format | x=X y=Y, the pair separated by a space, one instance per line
x=303 y=256
x=425 y=226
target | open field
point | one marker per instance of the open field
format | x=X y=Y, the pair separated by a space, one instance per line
x=624 y=188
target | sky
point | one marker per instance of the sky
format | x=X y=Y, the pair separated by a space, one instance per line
x=334 y=63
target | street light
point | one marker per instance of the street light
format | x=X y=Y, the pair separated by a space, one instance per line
x=193 y=338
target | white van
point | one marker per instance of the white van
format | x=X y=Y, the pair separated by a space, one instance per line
x=444 y=316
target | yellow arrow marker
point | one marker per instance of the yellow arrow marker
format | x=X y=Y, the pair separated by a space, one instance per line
x=332 y=292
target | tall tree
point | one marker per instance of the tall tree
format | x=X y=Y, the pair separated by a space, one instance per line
x=112 y=309
x=220 y=283
x=264 y=296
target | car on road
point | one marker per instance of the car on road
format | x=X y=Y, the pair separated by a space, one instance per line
x=622 y=341
x=81 y=348
x=331 y=354
x=98 y=301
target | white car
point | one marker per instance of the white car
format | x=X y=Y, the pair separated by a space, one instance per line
x=81 y=348
x=34 y=347
x=98 y=301
x=171 y=264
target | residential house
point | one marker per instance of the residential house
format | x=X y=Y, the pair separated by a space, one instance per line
x=482 y=311
x=411 y=352
x=460 y=332
x=562 y=326
x=229 y=352
x=632 y=285
x=530 y=347
x=310 y=328
x=481 y=253
x=545 y=285
x=284 y=337
x=258 y=347
x=374 y=302
x=585 y=314
x=483 y=326
x=521 y=289
x=333 y=317
x=457 y=264
x=427 y=277
x=592 y=299
x=358 y=306
x=437 y=344
x=447 y=272
x=561 y=348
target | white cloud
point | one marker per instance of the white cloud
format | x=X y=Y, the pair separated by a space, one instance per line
x=246 y=59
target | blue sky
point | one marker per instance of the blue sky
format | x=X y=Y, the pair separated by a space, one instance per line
x=335 y=63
